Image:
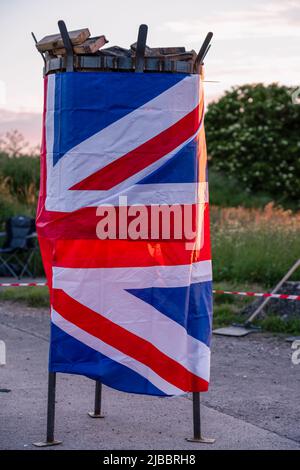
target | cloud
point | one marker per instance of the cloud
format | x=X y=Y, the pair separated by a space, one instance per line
x=274 y=19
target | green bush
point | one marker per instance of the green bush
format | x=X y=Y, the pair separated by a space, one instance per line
x=227 y=191
x=19 y=177
x=253 y=134
x=10 y=207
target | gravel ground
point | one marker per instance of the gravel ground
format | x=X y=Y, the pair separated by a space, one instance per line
x=253 y=378
x=253 y=402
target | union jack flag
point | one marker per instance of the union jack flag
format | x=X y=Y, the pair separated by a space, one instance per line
x=134 y=314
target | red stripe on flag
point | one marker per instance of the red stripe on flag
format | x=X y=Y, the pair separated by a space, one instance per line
x=130 y=344
x=82 y=223
x=144 y=155
x=75 y=244
x=124 y=253
x=87 y=253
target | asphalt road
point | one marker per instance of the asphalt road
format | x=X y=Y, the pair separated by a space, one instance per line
x=253 y=402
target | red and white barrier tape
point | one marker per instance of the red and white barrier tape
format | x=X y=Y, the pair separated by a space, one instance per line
x=247 y=294
x=259 y=294
x=23 y=284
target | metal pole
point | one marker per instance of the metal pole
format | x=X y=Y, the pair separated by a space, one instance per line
x=67 y=45
x=51 y=406
x=98 y=400
x=50 y=441
x=197 y=422
x=140 y=48
x=196 y=415
x=35 y=40
x=203 y=51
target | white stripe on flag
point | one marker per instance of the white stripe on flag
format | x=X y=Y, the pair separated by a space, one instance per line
x=149 y=276
x=164 y=193
x=114 y=354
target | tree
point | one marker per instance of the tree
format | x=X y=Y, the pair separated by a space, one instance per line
x=13 y=144
x=253 y=133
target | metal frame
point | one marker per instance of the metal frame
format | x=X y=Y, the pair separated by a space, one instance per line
x=98 y=402
x=7 y=257
x=203 y=51
x=50 y=440
x=69 y=59
x=35 y=40
x=97 y=413
x=139 y=64
x=121 y=64
x=13 y=256
x=140 y=49
x=197 y=437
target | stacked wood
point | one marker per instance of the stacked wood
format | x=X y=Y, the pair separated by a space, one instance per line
x=88 y=53
x=167 y=53
x=83 y=44
x=90 y=46
x=54 y=41
x=158 y=51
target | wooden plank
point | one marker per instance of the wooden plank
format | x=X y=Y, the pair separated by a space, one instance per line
x=157 y=51
x=90 y=46
x=167 y=50
x=181 y=56
x=54 y=41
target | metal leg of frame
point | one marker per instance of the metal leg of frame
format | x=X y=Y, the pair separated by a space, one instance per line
x=140 y=48
x=34 y=264
x=98 y=399
x=5 y=263
x=197 y=422
x=25 y=268
x=50 y=441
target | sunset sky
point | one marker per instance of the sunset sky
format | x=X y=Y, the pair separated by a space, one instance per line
x=254 y=41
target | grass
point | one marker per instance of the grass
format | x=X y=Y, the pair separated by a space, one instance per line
x=226 y=314
x=227 y=308
x=254 y=245
x=253 y=248
x=276 y=324
x=31 y=296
